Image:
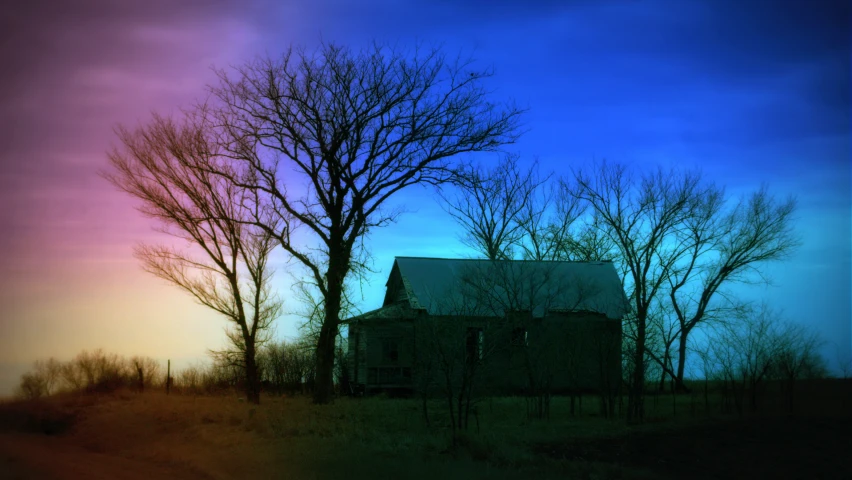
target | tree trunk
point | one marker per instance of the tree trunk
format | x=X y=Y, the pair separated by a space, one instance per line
x=338 y=266
x=674 y=402
x=252 y=377
x=681 y=360
x=635 y=407
x=140 y=377
x=324 y=375
x=324 y=379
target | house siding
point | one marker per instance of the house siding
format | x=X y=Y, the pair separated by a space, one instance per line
x=577 y=351
x=369 y=364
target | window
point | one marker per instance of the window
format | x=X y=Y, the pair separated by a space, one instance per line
x=474 y=343
x=519 y=337
x=390 y=350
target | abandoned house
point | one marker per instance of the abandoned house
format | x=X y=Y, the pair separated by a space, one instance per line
x=515 y=325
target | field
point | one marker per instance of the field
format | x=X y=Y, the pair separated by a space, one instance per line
x=125 y=435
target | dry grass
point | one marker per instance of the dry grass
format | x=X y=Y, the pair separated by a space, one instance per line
x=126 y=435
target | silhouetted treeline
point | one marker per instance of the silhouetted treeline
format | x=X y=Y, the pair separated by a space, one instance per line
x=92 y=372
x=746 y=355
x=285 y=368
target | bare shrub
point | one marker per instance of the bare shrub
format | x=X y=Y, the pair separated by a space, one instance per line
x=761 y=346
x=32 y=386
x=89 y=371
x=289 y=367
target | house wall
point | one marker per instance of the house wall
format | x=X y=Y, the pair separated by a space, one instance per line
x=366 y=351
x=576 y=351
x=573 y=351
x=357 y=354
x=586 y=348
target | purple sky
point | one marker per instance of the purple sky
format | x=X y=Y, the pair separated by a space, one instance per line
x=749 y=91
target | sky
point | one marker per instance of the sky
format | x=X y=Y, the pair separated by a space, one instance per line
x=749 y=91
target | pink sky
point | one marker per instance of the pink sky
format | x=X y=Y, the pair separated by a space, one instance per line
x=69 y=280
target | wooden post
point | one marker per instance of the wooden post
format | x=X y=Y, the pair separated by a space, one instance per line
x=168 y=375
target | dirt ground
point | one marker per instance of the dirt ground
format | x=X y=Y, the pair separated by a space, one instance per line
x=129 y=437
x=33 y=456
x=132 y=437
x=770 y=447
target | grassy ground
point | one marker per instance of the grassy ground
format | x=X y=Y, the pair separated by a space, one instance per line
x=132 y=436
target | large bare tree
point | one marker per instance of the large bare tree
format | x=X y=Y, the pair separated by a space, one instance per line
x=333 y=135
x=641 y=215
x=723 y=247
x=168 y=165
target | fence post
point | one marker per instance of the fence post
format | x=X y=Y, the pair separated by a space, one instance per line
x=168 y=375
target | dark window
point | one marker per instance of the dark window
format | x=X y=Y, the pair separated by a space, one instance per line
x=390 y=350
x=519 y=337
x=474 y=343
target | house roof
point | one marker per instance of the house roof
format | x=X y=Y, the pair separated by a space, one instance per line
x=389 y=312
x=444 y=286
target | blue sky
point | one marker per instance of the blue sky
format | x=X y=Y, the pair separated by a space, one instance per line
x=748 y=91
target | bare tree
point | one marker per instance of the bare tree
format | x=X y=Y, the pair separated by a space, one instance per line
x=147 y=371
x=708 y=369
x=548 y=224
x=490 y=203
x=72 y=377
x=289 y=366
x=96 y=371
x=722 y=248
x=333 y=135
x=797 y=357
x=641 y=216
x=459 y=351
x=190 y=380
x=510 y=211
x=50 y=372
x=662 y=335
x=32 y=386
x=844 y=365
x=743 y=351
x=168 y=167
x=591 y=242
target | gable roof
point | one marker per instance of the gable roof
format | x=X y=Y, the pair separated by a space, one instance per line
x=444 y=286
